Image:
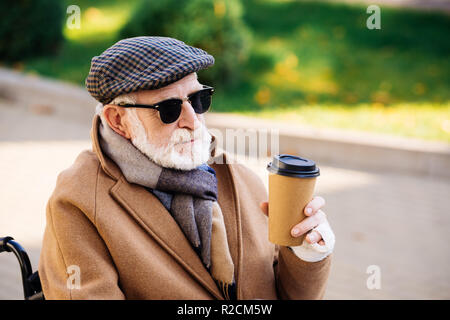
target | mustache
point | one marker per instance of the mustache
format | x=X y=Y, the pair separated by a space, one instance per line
x=185 y=135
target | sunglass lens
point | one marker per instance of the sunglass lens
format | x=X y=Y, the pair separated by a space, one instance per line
x=201 y=101
x=170 y=110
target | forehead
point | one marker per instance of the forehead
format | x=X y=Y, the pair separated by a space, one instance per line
x=177 y=89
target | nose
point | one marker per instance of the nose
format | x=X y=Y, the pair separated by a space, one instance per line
x=188 y=117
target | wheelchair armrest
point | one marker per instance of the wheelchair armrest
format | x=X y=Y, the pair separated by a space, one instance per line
x=4 y=244
x=31 y=282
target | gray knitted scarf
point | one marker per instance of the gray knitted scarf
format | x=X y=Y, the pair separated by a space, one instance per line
x=190 y=197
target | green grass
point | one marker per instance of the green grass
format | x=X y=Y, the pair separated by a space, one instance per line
x=311 y=63
x=324 y=53
x=421 y=120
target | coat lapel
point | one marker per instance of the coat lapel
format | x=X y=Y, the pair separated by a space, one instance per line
x=148 y=211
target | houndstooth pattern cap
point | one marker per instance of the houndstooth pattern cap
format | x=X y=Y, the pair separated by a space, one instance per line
x=142 y=63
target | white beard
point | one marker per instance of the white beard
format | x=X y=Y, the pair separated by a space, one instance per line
x=176 y=156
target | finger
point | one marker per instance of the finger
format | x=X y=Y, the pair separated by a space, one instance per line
x=264 y=207
x=321 y=242
x=314 y=205
x=308 y=224
x=313 y=237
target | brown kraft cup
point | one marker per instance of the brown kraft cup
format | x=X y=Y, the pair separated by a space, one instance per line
x=291 y=187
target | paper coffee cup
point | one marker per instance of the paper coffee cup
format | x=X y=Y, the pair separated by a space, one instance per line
x=291 y=187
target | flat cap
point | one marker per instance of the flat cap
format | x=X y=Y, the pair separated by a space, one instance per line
x=142 y=63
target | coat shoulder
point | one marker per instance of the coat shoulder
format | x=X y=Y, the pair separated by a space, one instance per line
x=247 y=176
x=77 y=184
x=248 y=183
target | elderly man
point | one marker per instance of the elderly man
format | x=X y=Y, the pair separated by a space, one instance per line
x=143 y=216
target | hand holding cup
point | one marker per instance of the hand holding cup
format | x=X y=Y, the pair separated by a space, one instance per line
x=314 y=216
x=291 y=186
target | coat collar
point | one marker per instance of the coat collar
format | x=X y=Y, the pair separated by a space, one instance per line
x=163 y=228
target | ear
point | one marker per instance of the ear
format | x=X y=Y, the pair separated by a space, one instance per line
x=117 y=119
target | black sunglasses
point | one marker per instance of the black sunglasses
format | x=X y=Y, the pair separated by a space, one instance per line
x=170 y=109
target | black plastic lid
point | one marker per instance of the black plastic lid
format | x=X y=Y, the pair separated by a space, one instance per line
x=293 y=166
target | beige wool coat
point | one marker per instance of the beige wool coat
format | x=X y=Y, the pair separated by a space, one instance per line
x=122 y=243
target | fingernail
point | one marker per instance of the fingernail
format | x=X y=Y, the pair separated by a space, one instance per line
x=308 y=210
x=296 y=232
x=312 y=237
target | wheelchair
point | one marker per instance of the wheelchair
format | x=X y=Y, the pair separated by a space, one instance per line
x=32 y=288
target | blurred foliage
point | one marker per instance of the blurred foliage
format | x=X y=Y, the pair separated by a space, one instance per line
x=216 y=26
x=101 y=20
x=315 y=52
x=30 y=28
x=309 y=62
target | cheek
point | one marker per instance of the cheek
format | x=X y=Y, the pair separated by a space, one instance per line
x=160 y=134
x=152 y=125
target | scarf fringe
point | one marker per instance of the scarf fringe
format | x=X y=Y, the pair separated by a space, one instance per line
x=228 y=289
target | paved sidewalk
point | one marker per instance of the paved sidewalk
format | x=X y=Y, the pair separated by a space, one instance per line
x=398 y=222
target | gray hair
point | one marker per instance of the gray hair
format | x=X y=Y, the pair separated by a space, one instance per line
x=129 y=98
